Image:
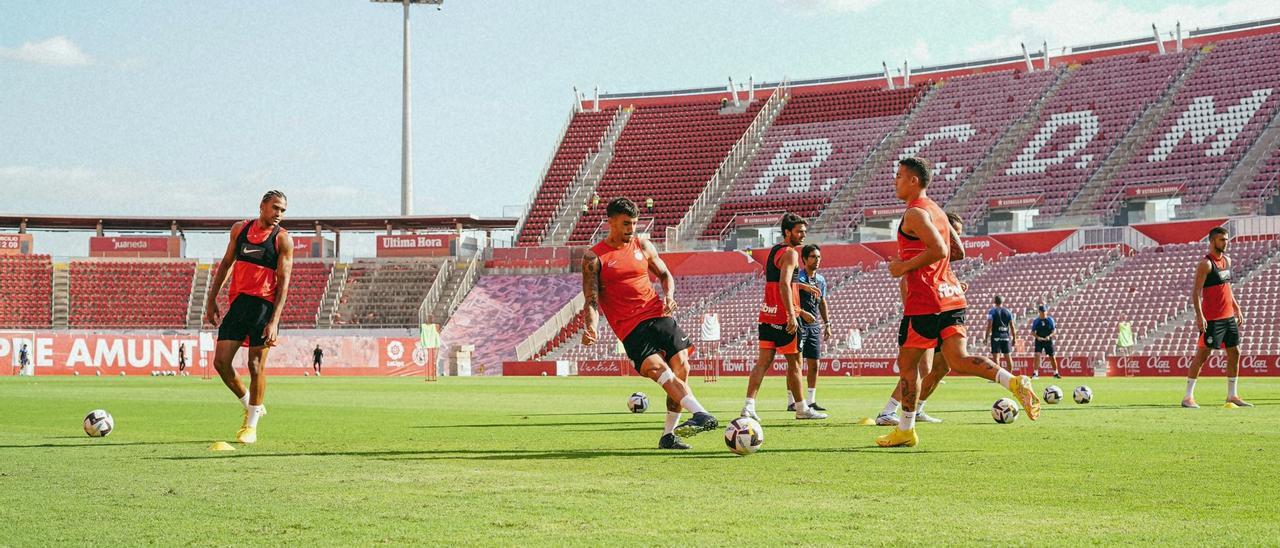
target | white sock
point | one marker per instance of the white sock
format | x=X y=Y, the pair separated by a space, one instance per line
x=691 y=403
x=1191 y=388
x=890 y=407
x=907 y=421
x=813 y=396
x=1231 y=387
x=920 y=407
x=672 y=419
x=1003 y=377
x=801 y=407
x=751 y=404
x=790 y=399
x=244 y=400
x=255 y=412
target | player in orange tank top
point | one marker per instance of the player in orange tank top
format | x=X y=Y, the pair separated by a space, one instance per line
x=615 y=281
x=259 y=258
x=933 y=307
x=1218 y=317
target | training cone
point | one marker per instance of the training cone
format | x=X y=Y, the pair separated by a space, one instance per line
x=221 y=446
x=1230 y=405
x=866 y=421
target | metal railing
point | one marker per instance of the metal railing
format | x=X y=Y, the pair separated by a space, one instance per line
x=530 y=346
x=465 y=284
x=573 y=191
x=432 y=297
x=732 y=162
x=546 y=168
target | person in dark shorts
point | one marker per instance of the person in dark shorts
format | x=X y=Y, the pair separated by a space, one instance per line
x=779 y=318
x=1218 y=317
x=615 y=281
x=813 y=305
x=182 y=358
x=1042 y=329
x=259 y=259
x=1001 y=336
x=317 y=356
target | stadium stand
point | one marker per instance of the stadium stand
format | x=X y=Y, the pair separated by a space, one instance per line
x=955 y=129
x=26 y=291
x=133 y=293
x=580 y=139
x=1219 y=112
x=667 y=153
x=1080 y=126
x=500 y=311
x=385 y=292
x=811 y=150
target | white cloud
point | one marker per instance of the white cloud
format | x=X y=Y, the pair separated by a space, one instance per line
x=839 y=6
x=1079 y=22
x=56 y=51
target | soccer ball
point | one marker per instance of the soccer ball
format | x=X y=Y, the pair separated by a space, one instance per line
x=1082 y=394
x=638 y=402
x=1004 y=411
x=744 y=436
x=1052 y=394
x=98 y=423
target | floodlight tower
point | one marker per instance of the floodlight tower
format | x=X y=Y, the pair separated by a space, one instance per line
x=406 y=134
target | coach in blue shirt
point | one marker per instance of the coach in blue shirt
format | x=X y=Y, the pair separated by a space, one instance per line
x=1042 y=328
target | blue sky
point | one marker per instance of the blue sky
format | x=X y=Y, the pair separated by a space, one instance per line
x=182 y=108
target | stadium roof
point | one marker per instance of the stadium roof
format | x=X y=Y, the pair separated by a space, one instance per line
x=218 y=224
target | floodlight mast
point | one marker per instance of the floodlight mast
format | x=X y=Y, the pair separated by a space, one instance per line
x=406 y=126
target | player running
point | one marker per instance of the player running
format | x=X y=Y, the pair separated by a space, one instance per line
x=259 y=258
x=934 y=306
x=779 y=318
x=1042 y=328
x=615 y=278
x=931 y=359
x=813 y=303
x=1218 y=317
x=1000 y=334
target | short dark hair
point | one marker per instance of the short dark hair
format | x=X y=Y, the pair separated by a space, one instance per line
x=922 y=167
x=954 y=219
x=273 y=194
x=808 y=250
x=791 y=220
x=999 y=300
x=1217 y=230
x=622 y=206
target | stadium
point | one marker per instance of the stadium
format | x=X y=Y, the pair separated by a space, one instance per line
x=430 y=385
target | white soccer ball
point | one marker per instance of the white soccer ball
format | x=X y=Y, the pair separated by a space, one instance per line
x=98 y=423
x=1082 y=394
x=1052 y=394
x=744 y=435
x=638 y=403
x=1004 y=411
x=306 y=373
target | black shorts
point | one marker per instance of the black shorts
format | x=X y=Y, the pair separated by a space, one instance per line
x=811 y=341
x=246 y=319
x=775 y=337
x=659 y=336
x=1220 y=334
x=1001 y=347
x=1044 y=346
x=927 y=330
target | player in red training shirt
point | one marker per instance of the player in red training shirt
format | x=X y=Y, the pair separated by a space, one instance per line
x=615 y=281
x=1218 y=317
x=259 y=258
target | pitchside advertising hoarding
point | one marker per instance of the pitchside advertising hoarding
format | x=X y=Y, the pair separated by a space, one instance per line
x=141 y=354
x=1069 y=366
x=1178 y=366
x=416 y=245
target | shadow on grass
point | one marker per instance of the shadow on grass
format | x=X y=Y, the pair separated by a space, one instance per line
x=95 y=442
x=523 y=424
x=534 y=454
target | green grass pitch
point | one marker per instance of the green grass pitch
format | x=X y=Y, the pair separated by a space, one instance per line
x=506 y=461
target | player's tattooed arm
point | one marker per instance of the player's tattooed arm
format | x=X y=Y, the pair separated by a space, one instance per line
x=590 y=296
